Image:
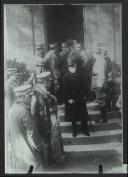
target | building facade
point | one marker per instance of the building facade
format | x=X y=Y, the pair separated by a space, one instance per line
x=27 y=25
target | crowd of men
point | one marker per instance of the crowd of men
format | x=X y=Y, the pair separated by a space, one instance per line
x=70 y=77
x=76 y=73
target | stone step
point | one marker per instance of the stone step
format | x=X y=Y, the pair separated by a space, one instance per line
x=95 y=150
x=94 y=115
x=92 y=106
x=98 y=137
x=66 y=127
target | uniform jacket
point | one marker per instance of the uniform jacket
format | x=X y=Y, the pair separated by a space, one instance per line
x=51 y=62
x=45 y=111
x=24 y=138
x=63 y=63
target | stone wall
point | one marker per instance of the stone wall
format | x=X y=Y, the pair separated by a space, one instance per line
x=25 y=26
x=103 y=22
x=24 y=29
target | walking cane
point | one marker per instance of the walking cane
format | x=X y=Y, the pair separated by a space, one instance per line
x=59 y=129
x=30 y=170
x=90 y=121
x=91 y=124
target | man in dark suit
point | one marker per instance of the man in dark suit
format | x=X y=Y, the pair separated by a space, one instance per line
x=75 y=98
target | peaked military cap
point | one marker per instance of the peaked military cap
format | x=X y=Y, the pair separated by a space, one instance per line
x=54 y=45
x=23 y=90
x=11 y=71
x=43 y=75
x=40 y=45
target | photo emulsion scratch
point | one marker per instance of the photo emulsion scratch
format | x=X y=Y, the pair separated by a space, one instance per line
x=63 y=88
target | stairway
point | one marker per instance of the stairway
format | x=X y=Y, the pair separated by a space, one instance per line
x=105 y=141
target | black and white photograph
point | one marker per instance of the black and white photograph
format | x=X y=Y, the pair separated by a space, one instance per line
x=63 y=88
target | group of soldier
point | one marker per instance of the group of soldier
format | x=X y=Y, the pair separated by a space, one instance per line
x=68 y=77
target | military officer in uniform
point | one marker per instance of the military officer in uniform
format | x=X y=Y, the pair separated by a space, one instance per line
x=108 y=70
x=40 y=53
x=39 y=63
x=24 y=138
x=51 y=64
x=99 y=80
x=39 y=58
x=44 y=108
x=11 y=83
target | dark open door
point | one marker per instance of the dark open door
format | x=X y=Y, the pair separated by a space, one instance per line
x=64 y=22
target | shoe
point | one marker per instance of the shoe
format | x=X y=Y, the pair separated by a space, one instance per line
x=85 y=132
x=74 y=134
x=63 y=158
x=108 y=110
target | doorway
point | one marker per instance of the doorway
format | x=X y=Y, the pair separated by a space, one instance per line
x=64 y=22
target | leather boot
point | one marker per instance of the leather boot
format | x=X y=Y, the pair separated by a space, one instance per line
x=75 y=129
x=103 y=115
x=84 y=129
